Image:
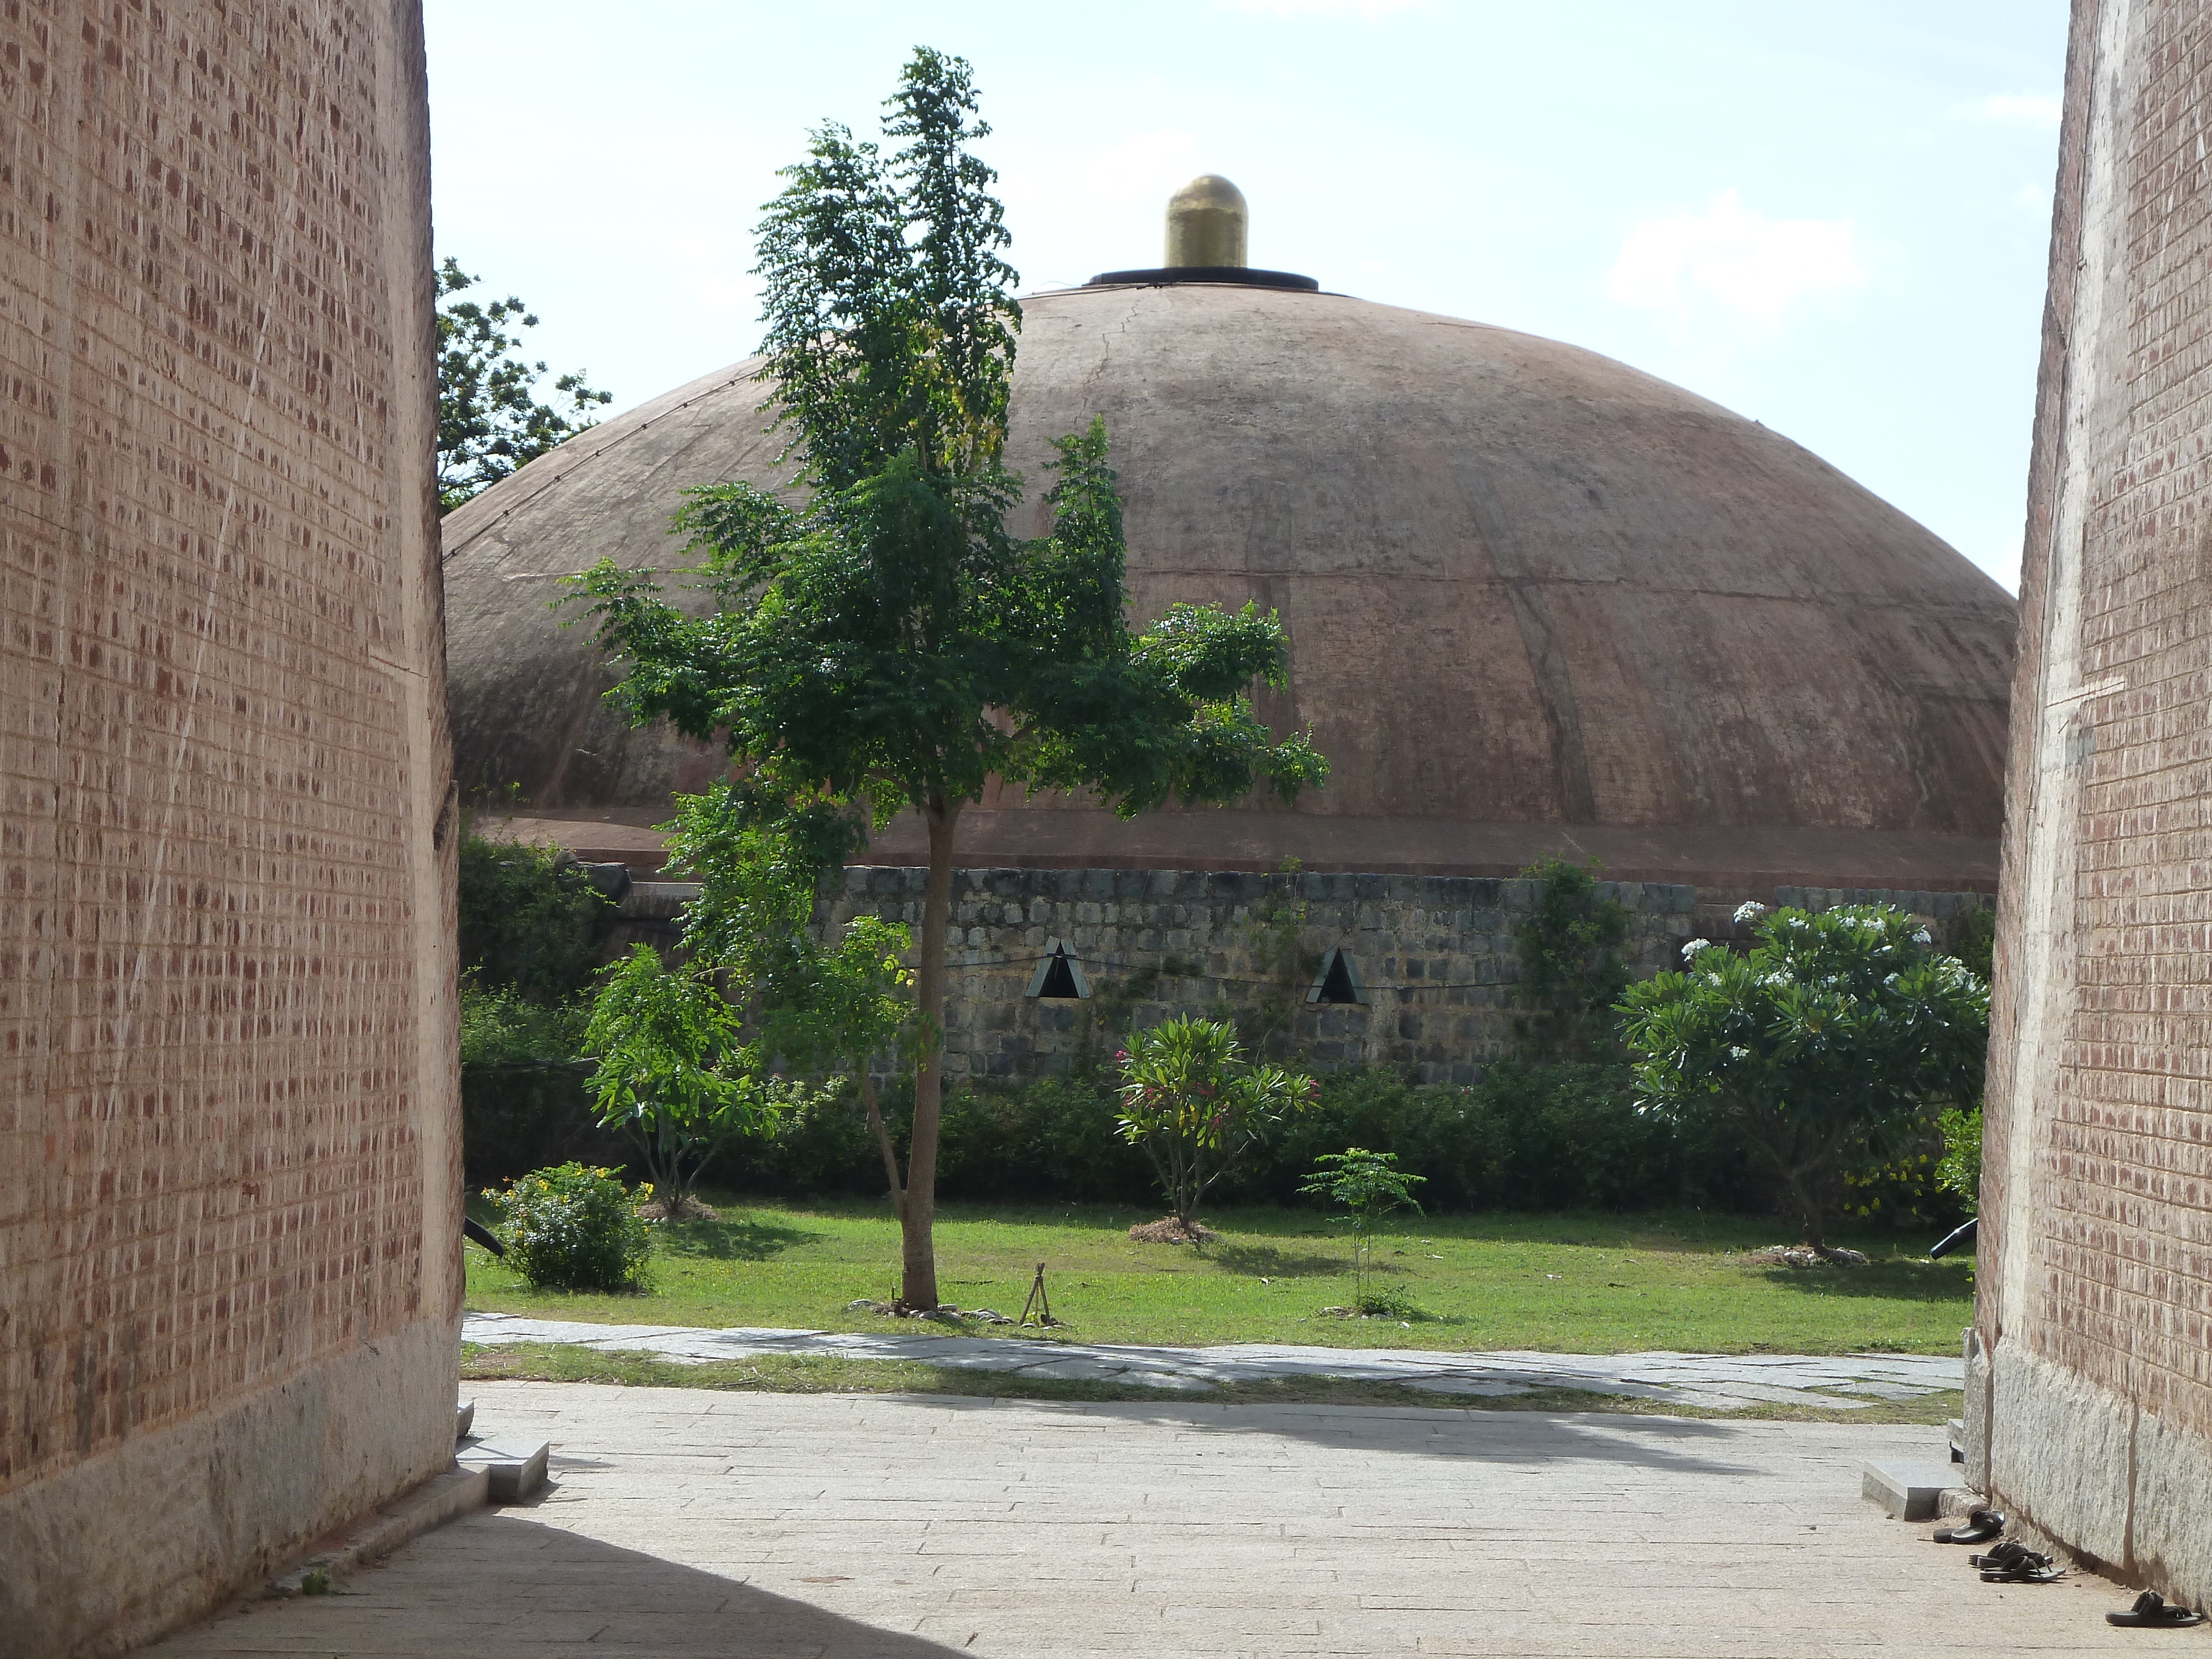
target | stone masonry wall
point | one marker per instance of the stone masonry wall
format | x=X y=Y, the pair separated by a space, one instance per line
x=229 y=1172
x=2090 y=1398
x=1436 y=957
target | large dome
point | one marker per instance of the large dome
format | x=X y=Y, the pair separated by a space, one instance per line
x=1536 y=601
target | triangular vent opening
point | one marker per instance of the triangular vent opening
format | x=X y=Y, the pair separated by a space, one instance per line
x=1059 y=978
x=1337 y=985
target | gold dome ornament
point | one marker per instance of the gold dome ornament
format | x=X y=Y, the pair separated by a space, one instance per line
x=1206 y=224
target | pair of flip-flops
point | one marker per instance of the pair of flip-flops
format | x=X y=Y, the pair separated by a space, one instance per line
x=2012 y=1563
x=1982 y=1525
x=2152 y=1611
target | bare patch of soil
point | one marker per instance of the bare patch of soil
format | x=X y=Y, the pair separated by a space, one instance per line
x=1801 y=1255
x=1169 y=1230
x=655 y=1209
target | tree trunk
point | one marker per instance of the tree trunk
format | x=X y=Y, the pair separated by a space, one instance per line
x=1809 y=1210
x=917 y=1218
x=883 y=1139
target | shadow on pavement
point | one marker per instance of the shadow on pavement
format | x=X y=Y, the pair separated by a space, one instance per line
x=497 y=1586
x=1678 y=1444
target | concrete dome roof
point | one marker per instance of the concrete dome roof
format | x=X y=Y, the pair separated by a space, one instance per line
x=1536 y=599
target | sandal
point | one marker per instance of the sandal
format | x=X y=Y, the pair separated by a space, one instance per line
x=2151 y=1611
x=2013 y=1563
x=1982 y=1525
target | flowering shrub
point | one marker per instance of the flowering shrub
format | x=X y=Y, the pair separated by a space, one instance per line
x=1831 y=1045
x=574 y=1228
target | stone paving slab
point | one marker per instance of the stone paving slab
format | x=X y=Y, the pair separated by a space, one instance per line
x=685 y=1522
x=1715 y=1382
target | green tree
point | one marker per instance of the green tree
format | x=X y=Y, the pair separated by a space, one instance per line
x=1571 y=973
x=821 y=1004
x=489 y=419
x=1833 y=1040
x=673 y=1069
x=1194 y=1104
x=886 y=644
x=1369 y=1185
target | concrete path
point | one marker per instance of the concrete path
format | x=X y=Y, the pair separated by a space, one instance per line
x=1718 y=1382
x=690 y=1522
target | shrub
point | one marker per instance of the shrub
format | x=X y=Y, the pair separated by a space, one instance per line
x=1195 y=1105
x=1831 y=1045
x=501 y=1027
x=529 y=919
x=573 y=1228
x=1959 y=1172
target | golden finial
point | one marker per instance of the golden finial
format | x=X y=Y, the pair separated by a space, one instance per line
x=1205 y=223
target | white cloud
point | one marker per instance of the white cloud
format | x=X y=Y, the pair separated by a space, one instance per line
x=1368 y=11
x=2032 y=109
x=1731 y=260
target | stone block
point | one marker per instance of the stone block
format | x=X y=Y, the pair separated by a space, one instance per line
x=515 y=1466
x=1910 y=1492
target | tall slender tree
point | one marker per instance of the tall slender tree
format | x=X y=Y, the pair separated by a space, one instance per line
x=885 y=643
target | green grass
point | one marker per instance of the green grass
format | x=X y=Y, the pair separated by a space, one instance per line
x=812 y=1374
x=1567 y=1284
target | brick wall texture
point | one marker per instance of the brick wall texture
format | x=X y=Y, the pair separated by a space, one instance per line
x=1436 y=956
x=224 y=1062
x=2096 y=1299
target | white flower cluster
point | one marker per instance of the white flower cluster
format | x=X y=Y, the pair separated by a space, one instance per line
x=1691 y=950
x=1749 y=910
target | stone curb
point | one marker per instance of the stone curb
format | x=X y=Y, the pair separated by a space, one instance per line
x=441 y=1498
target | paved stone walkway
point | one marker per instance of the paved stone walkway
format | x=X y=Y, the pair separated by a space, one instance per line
x=1718 y=1382
x=689 y=1523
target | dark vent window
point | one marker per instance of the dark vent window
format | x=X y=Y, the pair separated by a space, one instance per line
x=1059 y=976
x=1338 y=980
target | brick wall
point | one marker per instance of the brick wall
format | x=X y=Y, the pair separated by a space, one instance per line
x=2093 y=1347
x=227 y=1159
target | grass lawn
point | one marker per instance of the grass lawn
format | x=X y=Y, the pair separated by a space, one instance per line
x=1568 y=1284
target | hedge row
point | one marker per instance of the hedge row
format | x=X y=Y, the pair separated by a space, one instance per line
x=1526 y=1138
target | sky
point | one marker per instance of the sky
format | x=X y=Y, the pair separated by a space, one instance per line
x=1833 y=218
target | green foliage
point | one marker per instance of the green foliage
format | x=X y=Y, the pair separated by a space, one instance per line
x=672 y=1069
x=501 y=1027
x=1829 y=1045
x=489 y=420
x=573 y=1228
x=886 y=640
x=822 y=1004
x=1571 y=973
x=1368 y=1185
x=1194 y=1104
x=1974 y=940
x=531 y=921
x=1960 y=1171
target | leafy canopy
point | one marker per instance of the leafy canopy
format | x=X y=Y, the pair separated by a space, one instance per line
x=489 y=419
x=1834 y=1038
x=885 y=637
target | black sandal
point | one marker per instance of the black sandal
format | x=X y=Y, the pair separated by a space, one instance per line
x=1982 y=1525
x=2013 y=1563
x=2152 y=1612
